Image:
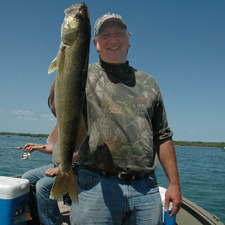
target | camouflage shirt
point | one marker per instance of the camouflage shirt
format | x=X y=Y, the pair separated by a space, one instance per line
x=125 y=118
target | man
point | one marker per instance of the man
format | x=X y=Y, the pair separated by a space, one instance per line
x=127 y=133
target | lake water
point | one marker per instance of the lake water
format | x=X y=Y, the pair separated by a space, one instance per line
x=201 y=170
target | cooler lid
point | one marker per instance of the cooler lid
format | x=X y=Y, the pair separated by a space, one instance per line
x=11 y=187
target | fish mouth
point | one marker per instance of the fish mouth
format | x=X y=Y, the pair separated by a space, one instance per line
x=76 y=18
x=75 y=13
x=77 y=7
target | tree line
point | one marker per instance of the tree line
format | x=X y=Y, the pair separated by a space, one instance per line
x=200 y=144
x=24 y=134
x=177 y=143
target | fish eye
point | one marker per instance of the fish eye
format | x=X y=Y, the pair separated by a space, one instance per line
x=78 y=15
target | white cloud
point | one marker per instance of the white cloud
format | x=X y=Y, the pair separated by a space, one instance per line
x=22 y=112
x=49 y=117
x=26 y=118
x=46 y=115
x=52 y=119
x=26 y=115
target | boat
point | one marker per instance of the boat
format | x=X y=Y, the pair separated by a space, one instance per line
x=192 y=214
x=189 y=214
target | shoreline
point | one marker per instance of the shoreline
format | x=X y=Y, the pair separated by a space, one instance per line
x=193 y=146
x=176 y=143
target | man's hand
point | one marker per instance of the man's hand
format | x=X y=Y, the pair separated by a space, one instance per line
x=173 y=194
x=167 y=157
x=29 y=147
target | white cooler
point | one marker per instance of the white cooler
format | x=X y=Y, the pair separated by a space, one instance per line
x=14 y=196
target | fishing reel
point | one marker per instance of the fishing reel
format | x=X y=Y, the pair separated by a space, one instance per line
x=26 y=155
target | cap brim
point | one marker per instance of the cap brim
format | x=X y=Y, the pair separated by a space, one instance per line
x=111 y=20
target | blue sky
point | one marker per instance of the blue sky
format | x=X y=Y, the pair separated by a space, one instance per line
x=180 y=42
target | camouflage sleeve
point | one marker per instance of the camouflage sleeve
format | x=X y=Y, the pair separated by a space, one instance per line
x=159 y=121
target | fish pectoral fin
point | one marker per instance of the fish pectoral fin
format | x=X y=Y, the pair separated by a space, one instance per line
x=65 y=183
x=53 y=66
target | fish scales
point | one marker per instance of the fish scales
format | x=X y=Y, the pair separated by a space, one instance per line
x=72 y=65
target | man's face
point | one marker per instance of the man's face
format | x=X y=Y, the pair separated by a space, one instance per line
x=112 y=42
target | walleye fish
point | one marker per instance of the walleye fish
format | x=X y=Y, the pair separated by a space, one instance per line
x=72 y=65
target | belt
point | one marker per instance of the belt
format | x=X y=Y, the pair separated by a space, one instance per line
x=120 y=175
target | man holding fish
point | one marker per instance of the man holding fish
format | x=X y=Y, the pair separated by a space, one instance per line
x=127 y=135
x=115 y=116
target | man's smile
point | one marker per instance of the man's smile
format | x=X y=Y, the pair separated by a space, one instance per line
x=114 y=48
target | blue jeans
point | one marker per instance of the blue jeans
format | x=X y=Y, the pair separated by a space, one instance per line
x=110 y=200
x=41 y=206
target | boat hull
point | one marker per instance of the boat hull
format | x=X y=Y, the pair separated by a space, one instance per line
x=192 y=214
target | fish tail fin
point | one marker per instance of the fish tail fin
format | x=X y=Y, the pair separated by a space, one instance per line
x=65 y=183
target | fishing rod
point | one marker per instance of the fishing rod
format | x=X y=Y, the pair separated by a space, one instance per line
x=36 y=147
x=26 y=155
